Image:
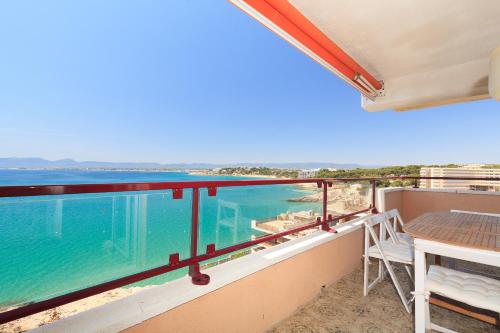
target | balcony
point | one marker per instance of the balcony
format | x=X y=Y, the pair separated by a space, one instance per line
x=308 y=283
x=341 y=307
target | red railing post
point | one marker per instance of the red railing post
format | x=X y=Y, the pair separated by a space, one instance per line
x=325 y=225
x=374 y=198
x=197 y=277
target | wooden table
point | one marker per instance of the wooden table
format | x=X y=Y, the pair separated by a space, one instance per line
x=462 y=229
x=470 y=237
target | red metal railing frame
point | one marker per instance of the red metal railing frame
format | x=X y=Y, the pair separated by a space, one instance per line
x=194 y=261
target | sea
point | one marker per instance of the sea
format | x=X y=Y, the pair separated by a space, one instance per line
x=51 y=245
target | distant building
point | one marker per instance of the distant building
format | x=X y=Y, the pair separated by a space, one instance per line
x=472 y=166
x=465 y=171
x=307 y=173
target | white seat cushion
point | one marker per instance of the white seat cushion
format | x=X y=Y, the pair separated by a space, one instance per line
x=475 y=290
x=399 y=252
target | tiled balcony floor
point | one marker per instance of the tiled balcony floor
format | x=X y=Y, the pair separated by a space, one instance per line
x=341 y=308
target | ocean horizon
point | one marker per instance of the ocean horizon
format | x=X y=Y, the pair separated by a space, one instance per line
x=51 y=245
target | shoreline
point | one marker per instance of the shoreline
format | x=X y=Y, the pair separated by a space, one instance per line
x=63 y=311
x=191 y=172
x=198 y=173
x=255 y=176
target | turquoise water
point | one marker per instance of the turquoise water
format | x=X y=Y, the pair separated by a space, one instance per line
x=54 y=244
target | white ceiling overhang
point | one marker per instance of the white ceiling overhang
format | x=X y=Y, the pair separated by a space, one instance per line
x=426 y=52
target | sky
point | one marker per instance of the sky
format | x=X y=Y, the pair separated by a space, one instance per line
x=200 y=81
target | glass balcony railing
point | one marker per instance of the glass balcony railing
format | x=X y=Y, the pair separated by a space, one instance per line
x=62 y=243
x=53 y=245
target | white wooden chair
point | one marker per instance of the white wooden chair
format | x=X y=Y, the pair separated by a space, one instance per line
x=386 y=250
x=395 y=221
x=394 y=217
x=472 y=289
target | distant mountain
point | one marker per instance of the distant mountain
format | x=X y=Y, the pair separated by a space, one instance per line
x=305 y=165
x=40 y=163
x=34 y=162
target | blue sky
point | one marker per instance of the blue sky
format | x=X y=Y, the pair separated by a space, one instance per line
x=199 y=81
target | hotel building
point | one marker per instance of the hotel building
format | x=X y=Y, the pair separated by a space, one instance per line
x=467 y=172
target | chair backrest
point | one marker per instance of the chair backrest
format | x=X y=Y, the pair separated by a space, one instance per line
x=373 y=220
x=394 y=215
x=475 y=213
x=382 y=221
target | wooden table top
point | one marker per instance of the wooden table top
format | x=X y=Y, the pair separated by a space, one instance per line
x=461 y=229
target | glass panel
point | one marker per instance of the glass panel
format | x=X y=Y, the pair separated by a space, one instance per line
x=237 y=214
x=53 y=245
x=346 y=198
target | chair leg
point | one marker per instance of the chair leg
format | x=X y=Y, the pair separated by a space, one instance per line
x=381 y=271
x=366 y=262
x=406 y=303
x=410 y=274
x=427 y=314
x=365 y=276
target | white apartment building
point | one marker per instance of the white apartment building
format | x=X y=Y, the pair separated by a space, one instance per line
x=307 y=173
x=466 y=171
